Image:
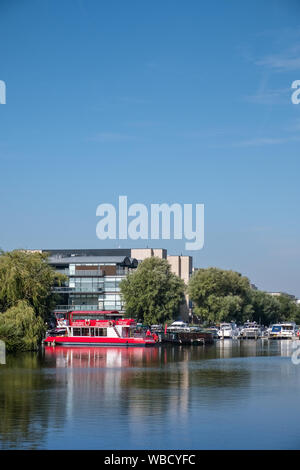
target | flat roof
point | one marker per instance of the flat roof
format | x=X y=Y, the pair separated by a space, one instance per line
x=59 y=259
x=90 y=252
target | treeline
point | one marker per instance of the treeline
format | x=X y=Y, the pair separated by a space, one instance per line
x=26 y=300
x=224 y=295
x=153 y=294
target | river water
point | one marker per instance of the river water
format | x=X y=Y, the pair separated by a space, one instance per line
x=230 y=395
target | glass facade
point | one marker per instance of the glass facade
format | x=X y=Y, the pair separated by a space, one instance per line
x=91 y=286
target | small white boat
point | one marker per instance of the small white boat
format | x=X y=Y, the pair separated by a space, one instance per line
x=178 y=326
x=251 y=330
x=228 y=330
x=283 y=331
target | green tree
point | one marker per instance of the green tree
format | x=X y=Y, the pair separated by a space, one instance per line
x=220 y=295
x=20 y=328
x=296 y=317
x=152 y=293
x=265 y=307
x=289 y=310
x=27 y=276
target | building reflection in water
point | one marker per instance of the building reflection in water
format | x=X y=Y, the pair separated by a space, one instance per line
x=92 y=393
x=141 y=381
x=97 y=377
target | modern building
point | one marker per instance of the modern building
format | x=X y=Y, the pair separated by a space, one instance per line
x=93 y=276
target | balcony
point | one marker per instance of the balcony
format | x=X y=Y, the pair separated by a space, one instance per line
x=88 y=272
x=65 y=308
x=120 y=271
x=79 y=290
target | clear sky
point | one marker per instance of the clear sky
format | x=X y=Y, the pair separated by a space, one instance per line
x=162 y=101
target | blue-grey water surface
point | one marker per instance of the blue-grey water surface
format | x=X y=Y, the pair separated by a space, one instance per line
x=230 y=395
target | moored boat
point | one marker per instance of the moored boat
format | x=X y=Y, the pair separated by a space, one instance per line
x=251 y=330
x=188 y=337
x=214 y=331
x=283 y=331
x=228 y=330
x=178 y=326
x=97 y=328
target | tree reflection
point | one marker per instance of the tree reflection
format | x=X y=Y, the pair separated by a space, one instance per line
x=23 y=391
x=75 y=392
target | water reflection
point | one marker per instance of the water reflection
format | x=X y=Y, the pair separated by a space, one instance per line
x=81 y=397
x=142 y=381
x=22 y=389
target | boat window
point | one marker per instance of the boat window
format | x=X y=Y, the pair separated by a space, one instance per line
x=85 y=331
x=102 y=331
x=85 y=316
x=76 y=332
x=276 y=328
x=125 y=332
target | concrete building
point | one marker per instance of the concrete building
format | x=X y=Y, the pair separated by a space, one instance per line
x=278 y=294
x=94 y=275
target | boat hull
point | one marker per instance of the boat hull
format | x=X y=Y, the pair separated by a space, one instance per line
x=281 y=336
x=250 y=334
x=191 y=338
x=97 y=341
x=227 y=334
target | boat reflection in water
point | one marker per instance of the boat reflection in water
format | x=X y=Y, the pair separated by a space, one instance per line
x=99 y=357
x=127 y=379
x=190 y=397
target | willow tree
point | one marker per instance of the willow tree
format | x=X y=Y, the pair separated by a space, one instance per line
x=27 y=276
x=20 y=328
x=152 y=293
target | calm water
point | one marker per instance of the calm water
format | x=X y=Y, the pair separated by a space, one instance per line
x=232 y=395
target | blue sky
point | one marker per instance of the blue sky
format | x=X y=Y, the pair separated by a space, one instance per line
x=162 y=101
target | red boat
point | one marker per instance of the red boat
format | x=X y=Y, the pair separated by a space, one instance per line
x=96 y=328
